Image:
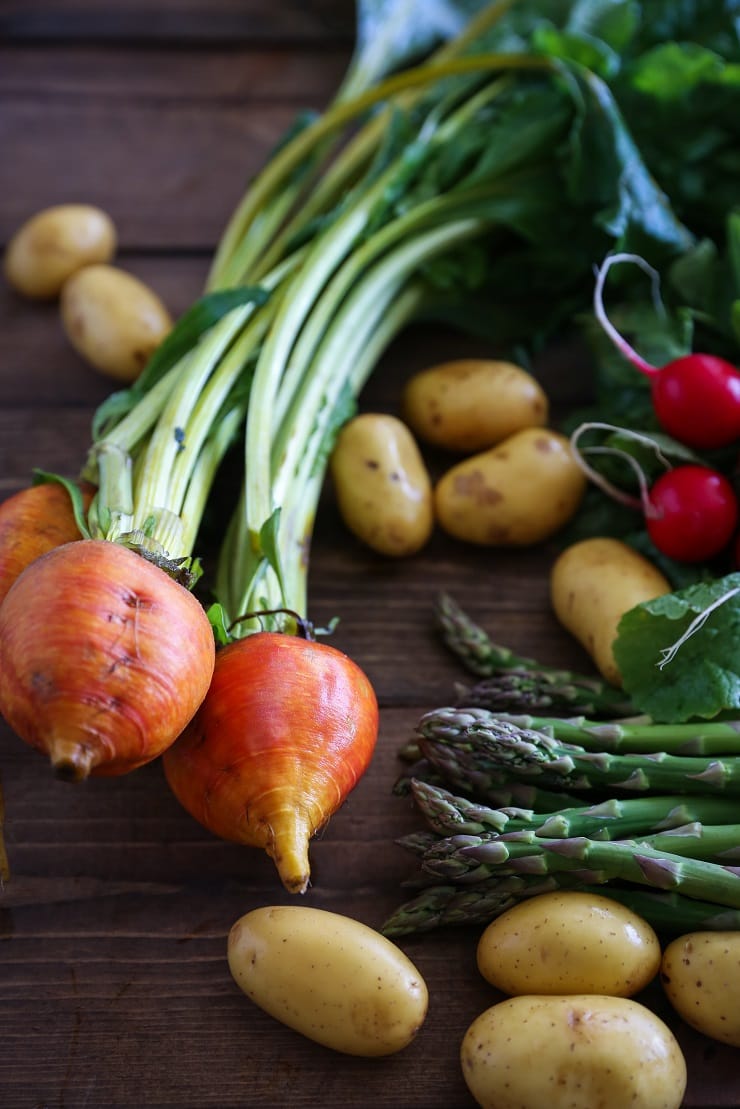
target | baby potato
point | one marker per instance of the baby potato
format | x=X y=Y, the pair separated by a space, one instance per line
x=331 y=978
x=569 y=942
x=113 y=320
x=383 y=490
x=574 y=1052
x=592 y=584
x=700 y=974
x=472 y=404
x=54 y=244
x=513 y=495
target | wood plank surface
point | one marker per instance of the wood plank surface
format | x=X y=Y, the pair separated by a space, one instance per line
x=114 y=988
x=310 y=24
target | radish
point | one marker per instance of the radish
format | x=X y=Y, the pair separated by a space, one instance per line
x=103 y=658
x=691 y=511
x=288 y=727
x=32 y=522
x=696 y=398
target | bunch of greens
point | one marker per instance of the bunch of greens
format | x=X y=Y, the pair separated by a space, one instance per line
x=478 y=187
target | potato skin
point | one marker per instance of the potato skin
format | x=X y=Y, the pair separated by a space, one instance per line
x=383 y=489
x=471 y=404
x=53 y=244
x=329 y=977
x=575 y=1052
x=113 y=320
x=592 y=584
x=700 y=974
x=515 y=494
x=569 y=942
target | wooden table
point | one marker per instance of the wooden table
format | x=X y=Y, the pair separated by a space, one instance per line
x=113 y=983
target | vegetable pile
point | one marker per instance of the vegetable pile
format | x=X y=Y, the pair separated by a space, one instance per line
x=479 y=187
x=427 y=194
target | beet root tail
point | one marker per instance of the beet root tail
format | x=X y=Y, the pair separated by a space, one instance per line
x=288 y=849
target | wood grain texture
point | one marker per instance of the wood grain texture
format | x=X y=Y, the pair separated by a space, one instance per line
x=114 y=989
x=253 y=21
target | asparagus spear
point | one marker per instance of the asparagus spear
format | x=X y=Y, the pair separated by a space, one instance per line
x=481 y=656
x=447 y=814
x=474 y=745
x=640 y=733
x=500 y=790
x=538 y=689
x=461 y=859
x=448 y=904
x=440 y=905
x=461 y=855
x=470 y=643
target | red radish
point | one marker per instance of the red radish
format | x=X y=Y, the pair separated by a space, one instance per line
x=32 y=522
x=693 y=513
x=103 y=658
x=696 y=398
x=287 y=728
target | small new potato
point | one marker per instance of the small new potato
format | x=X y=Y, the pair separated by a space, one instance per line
x=700 y=974
x=472 y=404
x=575 y=1052
x=592 y=584
x=113 y=320
x=569 y=942
x=54 y=244
x=329 y=977
x=383 y=489
x=515 y=494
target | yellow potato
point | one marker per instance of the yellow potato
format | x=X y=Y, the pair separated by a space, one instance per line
x=513 y=495
x=331 y=978
x=113 y=320
x=383 y=490
x=569 y=942
x=700 y=973
x=592 y=584
x=472 y=404
x=54 y=244
x=577 y=1052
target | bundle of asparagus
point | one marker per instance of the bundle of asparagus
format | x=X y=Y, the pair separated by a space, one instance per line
x=516 y=805
x=476 y=862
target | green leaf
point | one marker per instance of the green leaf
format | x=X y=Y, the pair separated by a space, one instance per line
x=581 y=48
x=671 y=71
x=701 y=677
x=43 y=477
x=217 y=618
x=682 y=103
x=184 y=336
x=607 y=168
x=612 y=21
x=521 y=126
x=270 y=545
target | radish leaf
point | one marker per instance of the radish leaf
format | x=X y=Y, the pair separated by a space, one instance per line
x=701 y=677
